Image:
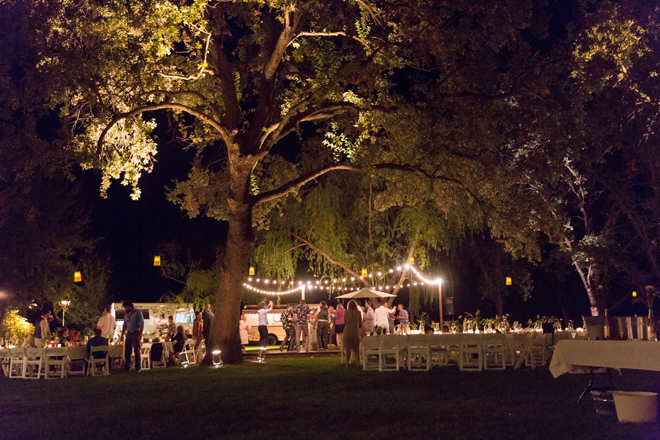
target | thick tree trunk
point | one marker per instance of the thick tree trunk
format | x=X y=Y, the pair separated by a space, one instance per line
x=240 y=240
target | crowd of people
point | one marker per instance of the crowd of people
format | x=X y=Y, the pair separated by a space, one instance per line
x=320 y=328
x=326 y=327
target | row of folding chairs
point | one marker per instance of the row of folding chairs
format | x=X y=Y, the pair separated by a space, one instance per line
x=471 y=352
x=34 y=363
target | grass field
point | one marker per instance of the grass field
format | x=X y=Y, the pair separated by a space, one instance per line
x=312 y=399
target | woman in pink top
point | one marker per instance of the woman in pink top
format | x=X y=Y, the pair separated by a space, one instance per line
x=339 y=323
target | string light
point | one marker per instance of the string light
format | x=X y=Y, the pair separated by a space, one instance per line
x=265 y=292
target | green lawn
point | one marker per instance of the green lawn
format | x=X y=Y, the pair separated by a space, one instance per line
x=310 y=399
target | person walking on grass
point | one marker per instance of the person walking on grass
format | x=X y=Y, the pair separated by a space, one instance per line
x=244 y=331
x=287 y=323
x=262 y=315
x=133 y=328
x=339 y=324
x=369 y=317
x=323 y=326
x=351 y=340
x=301 y=313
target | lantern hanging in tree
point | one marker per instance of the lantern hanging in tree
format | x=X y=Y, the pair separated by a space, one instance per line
x=157 y=260
x=77 y=277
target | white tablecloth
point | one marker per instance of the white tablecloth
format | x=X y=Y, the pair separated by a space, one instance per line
x=571 y=355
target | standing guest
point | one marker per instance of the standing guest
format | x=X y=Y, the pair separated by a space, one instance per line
x=208 y=323
x=382 y=314
x=171 y=327
x=403 y=318
x=323 y=327
x=301 y=313
x=42 y=329
x=133 y=328
x=331 y=312
x=339 y=323
x=262 y=315
x=97 y=341
x=351 y=341
x=244 y=330
x=287 y=323
x=369 y=318
x=198 y=331
x=63 y=336
x=179 y=339
x=312 y=325
x=107 y=323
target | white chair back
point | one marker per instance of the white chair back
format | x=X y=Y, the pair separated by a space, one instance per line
x=99 y=365
x=55 y=363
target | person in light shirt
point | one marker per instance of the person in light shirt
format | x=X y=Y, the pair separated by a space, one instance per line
x=42 y=330
x=262 y=315
x=107 y=323
x=382 y=313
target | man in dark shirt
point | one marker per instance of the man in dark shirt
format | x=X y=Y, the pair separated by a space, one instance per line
x=97 y=341
x=287 y=323
x=207 y=316
x=323 y=327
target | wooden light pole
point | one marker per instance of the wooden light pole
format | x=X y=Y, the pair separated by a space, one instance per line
x=440 y=302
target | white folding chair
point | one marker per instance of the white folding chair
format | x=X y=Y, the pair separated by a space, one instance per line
x=494 y=350
x=369 y=352
x=439 y=349
x=389 y=347
x=55 y=361
x=99 y=366
x=200 y=353
x=5 y=361
x=537 y=351
x=17 y=363
x=145 y=356
x=419 y=354
x=77 y=361
x=189 y=346
x=515 y=349
x=470 y=356
x=34 y=363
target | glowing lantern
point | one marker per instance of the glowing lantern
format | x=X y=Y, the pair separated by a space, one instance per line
x=364 y=272
x=508 y=281
x=157 y=260
x=412 y=260
x=634 y=294
x=251 y=272
x=77 y=277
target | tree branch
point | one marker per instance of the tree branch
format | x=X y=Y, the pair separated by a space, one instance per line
x=169 y=106
x=341 y=264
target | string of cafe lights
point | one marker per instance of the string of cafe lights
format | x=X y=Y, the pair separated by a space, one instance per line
x=326 y=285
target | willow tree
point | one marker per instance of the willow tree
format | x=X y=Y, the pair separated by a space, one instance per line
x=238 y=79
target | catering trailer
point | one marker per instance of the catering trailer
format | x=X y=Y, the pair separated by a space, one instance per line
x=276 y=333
x=156 y=317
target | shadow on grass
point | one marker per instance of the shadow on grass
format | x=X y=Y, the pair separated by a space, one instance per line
x=311 y=398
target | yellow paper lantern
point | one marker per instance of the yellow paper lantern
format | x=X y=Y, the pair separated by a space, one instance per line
x=157 y=260
x=634 y=294
x=77 y=277
x=251 y=271
x=508 y=281
x=412 y=260
x=364 y=272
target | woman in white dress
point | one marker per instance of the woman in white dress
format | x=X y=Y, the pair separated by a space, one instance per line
x=244 y=329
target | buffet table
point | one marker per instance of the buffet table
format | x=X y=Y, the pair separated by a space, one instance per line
x=579 y=356
x=572 y=356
